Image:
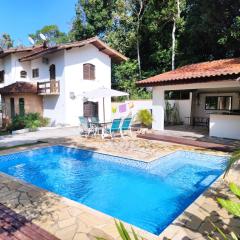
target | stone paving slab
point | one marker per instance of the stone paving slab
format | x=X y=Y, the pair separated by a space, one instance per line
x=67 y=219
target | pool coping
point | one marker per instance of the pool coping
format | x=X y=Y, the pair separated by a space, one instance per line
x=142 y=232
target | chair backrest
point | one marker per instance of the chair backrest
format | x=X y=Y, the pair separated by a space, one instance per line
x=116 y=124
x=94 y=119
x=84 y=122
x=126 y=124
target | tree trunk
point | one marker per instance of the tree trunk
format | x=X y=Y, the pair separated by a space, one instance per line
x=174 y=33
x=173 y=43
x=138 y=54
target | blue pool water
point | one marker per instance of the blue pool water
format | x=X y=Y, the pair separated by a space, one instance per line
x=149 y=196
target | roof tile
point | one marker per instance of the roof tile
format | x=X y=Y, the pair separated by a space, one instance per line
x=195 y=71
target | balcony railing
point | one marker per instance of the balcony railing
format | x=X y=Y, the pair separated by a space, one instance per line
x=51 y=87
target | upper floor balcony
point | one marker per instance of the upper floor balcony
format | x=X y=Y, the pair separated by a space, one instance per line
x=51 y=87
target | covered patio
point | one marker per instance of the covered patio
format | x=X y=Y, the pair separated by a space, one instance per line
x=204 y=97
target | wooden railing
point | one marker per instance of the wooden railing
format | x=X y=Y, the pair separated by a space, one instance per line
x=51 y=87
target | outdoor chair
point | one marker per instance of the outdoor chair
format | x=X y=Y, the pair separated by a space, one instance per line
x=85 y=128
x=115 y=127
x=94 y=123
x=126 y=126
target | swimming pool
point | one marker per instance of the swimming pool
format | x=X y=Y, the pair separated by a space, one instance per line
x=147 y=195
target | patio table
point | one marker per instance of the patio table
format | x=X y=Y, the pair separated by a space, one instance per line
x=101 y=126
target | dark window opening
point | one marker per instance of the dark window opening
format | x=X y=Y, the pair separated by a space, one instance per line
x=177 y=95
x=21 y=106
x=218 y=103
x=88 y=71
x=35 y=73
x=12 y=107
x=52 y=72
x=23 y=74
x=90 y=109
x=2 y=76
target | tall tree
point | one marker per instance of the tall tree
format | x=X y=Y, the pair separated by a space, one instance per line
x=6 y=41
x=53 y=34
x=92 y=17
x=212 y=30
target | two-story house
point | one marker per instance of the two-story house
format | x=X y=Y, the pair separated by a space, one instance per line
x=45 y=79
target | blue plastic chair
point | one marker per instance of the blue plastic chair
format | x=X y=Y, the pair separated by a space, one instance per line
x=115 y=127
x=126 y=126
x=85 y=130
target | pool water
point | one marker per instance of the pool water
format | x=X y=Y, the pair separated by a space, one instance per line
x=149 y=196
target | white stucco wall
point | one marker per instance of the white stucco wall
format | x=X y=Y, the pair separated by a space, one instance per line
x=158 y=96
x=74 y=82
x=132 y=107
x=54 y=106
x=199 y=105
x=225 y=126
x=184 y=108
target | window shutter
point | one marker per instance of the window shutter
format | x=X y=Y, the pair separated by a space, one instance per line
x=92 y=72
x=2 y=76
x=88 y=71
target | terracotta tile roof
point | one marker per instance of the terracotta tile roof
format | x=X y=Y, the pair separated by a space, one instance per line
x=4 y=53
x=203 y=72
x=19 y=87
x=103 y=47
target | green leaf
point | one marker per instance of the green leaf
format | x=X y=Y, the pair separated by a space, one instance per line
x=122 y=231
x=134 y=234
x=230 y=206
x=235 y=189
x=234 y=236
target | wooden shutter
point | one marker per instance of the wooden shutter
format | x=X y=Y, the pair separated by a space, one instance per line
x=88 y=71
x=2 y=76
x=92 y=72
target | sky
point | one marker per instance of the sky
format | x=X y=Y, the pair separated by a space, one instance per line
x=22 y=17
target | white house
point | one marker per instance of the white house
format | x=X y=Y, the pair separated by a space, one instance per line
x=47 y=79
x=208 y=94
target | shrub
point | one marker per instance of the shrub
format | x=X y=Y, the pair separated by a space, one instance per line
x=145 y=117
x=29 y=120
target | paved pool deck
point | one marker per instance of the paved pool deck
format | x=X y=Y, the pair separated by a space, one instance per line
x=66 y=219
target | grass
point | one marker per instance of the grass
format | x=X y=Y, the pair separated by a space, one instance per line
x=21 y=145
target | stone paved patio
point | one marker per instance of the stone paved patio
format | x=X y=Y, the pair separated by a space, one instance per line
x=67 y=219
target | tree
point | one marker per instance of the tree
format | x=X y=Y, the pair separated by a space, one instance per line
x=6 y=41
x=212 y=30
x=93 y=18
x=53 y=34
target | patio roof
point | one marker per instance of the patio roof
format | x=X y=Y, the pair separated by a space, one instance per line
x=19 y=87
x=200 y=72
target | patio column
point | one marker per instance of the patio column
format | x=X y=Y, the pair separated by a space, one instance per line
x=158 y=108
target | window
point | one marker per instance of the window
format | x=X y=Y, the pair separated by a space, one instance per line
x=35 y=73
x=21 y=107
x=23 y=74
x=88 y=71
x=2 y=76
x=177 y=95
x=52 y=72
x=218 y=103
